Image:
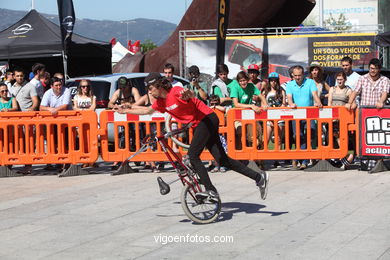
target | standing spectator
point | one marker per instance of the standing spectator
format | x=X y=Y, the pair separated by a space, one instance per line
x=245 y=95
x=146 y=101
x=199 y=87
x=9 y=80
x=84 y=99
x=39 y=70
x=25 y=94
x=372 y=88
x=352 y=76
x=57 y=98
x=126 y=95
x=221 y=86
x=302 y=92
x=7 y=104
x=27 y=98
x=275 y=96
x=253 y=73
x=45 y=80
x=316 y=73
x=339 y=96
x=169 y=70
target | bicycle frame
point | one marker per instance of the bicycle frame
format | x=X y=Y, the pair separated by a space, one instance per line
x=169 y=153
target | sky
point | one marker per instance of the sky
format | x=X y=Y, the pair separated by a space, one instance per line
x=117 y=10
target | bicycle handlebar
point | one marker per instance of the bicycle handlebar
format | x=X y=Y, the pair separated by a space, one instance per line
x=178 y=131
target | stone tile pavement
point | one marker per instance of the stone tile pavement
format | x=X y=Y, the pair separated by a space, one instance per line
x=331 y=215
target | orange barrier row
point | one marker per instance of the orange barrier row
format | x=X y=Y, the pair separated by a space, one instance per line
x=71 y=137
x=320 y=142
x=121 y=136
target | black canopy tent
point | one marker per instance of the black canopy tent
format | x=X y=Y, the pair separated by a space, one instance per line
x=36 y=39
x=383 y=39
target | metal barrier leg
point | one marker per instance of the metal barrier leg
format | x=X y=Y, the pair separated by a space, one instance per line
x=7 y=172
x=125 y=168
x=73 y=170
x=323 y=166
x=380 y=166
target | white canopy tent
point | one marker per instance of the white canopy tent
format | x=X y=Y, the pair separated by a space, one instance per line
x=118 y=52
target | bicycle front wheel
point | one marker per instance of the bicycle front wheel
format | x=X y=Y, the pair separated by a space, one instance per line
x=202 y=212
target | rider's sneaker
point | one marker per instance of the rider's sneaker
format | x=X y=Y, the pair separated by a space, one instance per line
x=263 y=184
x=208 y=194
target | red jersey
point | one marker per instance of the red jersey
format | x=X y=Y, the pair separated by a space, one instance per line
x=184 y=111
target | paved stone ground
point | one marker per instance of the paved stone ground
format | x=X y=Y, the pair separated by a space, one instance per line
x=331 y=215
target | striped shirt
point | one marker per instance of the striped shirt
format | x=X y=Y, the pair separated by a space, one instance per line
x=371 y=91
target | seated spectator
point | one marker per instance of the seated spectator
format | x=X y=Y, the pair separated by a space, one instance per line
x=7 y=104
x=276 y=97
x=246 y=95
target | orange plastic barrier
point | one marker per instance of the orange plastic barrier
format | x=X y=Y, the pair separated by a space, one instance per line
x=321 y=146
x=71 y=137
x=121 y=136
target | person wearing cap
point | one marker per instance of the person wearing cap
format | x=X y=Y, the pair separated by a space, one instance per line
x=275 y=96
x=316 y=73
x=199 y=87
x=185 y=108
x=302 y=92
x=125 y=94
x=254 y=72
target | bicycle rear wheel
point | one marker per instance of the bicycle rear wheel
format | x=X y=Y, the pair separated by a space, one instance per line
x=202 y=212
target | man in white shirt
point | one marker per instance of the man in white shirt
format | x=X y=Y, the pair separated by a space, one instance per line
x=57 y=98
x=169 y=69
x=39 y=70
x=352 y=76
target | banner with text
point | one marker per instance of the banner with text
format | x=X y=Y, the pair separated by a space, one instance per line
x=374 y=133
x=281 y=51
x=328 y=51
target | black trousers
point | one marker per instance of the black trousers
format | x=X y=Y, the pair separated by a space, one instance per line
x=206 y=135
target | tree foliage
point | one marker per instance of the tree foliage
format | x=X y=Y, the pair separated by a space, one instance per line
x=147 y=45
x=338 y=24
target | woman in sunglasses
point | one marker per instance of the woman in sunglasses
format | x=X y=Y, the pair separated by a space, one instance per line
x=7 y=104
x=84 y=99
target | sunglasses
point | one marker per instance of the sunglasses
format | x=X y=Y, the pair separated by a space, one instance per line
x=3 y=91
x=84 y=86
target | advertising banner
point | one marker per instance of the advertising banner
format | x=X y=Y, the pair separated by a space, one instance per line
x=278 y=53
x=374 y=133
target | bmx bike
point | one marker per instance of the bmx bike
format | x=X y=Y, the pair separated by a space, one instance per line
x=200 y=210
